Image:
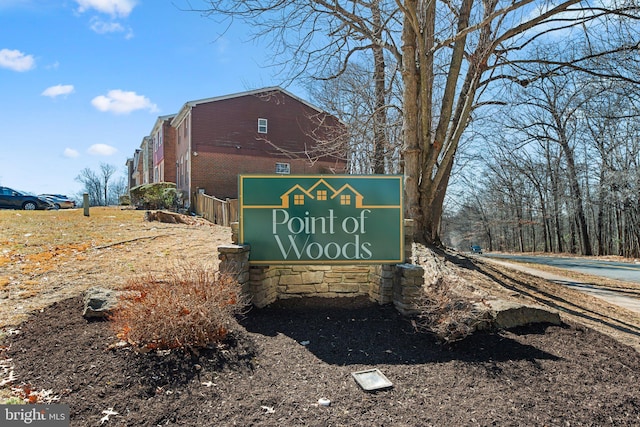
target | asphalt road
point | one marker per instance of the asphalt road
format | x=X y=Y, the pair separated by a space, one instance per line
x=627 y=272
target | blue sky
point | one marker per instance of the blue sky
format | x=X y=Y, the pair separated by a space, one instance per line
x=83 y=81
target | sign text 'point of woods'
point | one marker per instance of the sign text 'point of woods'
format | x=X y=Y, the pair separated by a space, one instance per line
x=322 y=219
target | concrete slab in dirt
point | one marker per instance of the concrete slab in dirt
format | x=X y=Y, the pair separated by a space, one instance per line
x=508 y=314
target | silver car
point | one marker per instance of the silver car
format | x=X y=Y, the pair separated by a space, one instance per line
x=59 y=201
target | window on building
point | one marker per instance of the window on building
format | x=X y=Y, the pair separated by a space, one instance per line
x=283 y=168
x=262 y=125
x=345 y=199
x=186 y=171
x=321 y=195
x=298 y=199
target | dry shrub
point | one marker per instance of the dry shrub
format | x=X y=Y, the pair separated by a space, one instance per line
x=189 y=307
x=446 y=314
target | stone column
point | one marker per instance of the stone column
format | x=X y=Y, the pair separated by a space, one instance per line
x=234 y=260
x=235 y=232
x=407 y=288
x=408 y=240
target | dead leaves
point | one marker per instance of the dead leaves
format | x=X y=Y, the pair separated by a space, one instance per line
x=32 y=396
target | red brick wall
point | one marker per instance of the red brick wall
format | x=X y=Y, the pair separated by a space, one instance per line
x=225 y=125
x=169 y=142
x=217 y=173
x=225 y=136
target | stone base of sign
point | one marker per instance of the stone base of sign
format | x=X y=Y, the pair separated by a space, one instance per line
x=398 y=284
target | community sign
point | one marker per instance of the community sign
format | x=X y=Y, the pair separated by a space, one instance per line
x=322 y=219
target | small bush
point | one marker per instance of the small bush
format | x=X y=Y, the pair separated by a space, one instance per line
x=158 y=195
x=186 y=308
x=450 y=317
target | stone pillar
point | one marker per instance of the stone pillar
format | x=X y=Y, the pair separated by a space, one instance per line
x=381 y=280
x=408 y=288
x=235 y=230
x=408 y=240
x=234 y=260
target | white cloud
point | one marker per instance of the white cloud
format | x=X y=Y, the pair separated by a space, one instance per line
x=58 y=90
x=16 y=60
x=102 y=150
x=71 y=153
x=114 y=8
x=101 y=27
x=121 y=102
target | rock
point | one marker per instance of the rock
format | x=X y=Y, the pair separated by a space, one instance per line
x=168 y=217
x=502 y=314
x=99 y=302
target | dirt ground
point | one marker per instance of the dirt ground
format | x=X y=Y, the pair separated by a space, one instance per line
x=279 y=361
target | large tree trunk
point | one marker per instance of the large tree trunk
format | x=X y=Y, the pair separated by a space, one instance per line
x=412 y=142
x=429 y=154
x=380 y=113
x=574 y=186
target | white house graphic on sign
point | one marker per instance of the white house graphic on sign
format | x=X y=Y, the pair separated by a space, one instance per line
x=321 y=191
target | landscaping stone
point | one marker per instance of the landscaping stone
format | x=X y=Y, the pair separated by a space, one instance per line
x=99 y=302
x=502 y=314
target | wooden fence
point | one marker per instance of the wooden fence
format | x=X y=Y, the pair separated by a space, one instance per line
x=222 y=212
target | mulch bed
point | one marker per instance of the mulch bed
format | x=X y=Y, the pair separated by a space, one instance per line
x=280 y=360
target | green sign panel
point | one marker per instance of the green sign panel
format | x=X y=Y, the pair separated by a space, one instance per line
x=322 y=219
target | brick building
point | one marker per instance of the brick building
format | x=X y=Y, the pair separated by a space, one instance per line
x=163 y=139
x=262 y=131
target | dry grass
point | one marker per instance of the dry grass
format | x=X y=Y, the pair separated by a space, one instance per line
x=47 y=256
x=38 y=241
x=29 y=233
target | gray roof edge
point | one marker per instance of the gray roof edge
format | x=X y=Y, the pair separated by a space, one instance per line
x=160 y=120
x=190 y=104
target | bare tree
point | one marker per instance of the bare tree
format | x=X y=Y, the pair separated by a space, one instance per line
x=563 y=136
x=106 y=172
x=353 y=98
x=92 y=186
x=450 y=55
x=117 y=188
x=97 y=185
x=612 y=124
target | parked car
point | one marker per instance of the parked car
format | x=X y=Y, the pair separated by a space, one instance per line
x=12 y=199
x=476 y=249
x=59 y=201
